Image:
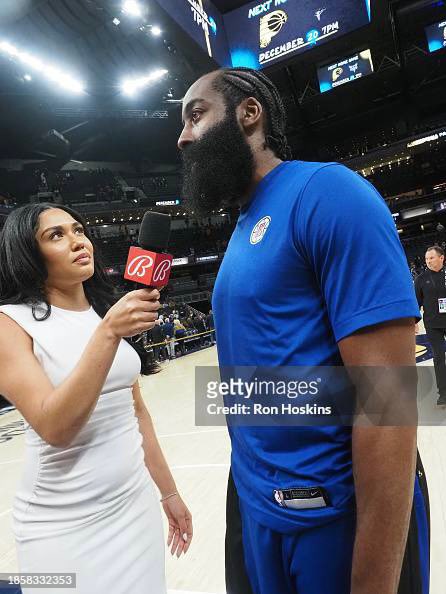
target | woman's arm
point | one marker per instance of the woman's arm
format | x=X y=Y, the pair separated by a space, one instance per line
x=58 y=414
x=153 y=455
x=179 y=517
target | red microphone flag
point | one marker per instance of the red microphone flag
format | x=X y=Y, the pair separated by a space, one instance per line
x=148 y=268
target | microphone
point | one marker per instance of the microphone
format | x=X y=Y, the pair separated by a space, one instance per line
x=148 y=264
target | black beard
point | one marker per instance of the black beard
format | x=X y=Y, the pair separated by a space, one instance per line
x=217 y=169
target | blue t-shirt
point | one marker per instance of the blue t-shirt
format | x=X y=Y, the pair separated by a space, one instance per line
x=315 y=256
x=168 y=329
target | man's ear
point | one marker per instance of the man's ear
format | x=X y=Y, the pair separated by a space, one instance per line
x=251 y=113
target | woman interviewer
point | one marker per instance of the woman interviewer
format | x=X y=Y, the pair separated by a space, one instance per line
x=86 y=503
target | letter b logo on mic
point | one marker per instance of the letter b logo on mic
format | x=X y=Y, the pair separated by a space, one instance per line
x=148 y=268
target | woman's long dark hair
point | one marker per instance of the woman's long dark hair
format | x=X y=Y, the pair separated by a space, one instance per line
x=23 y=271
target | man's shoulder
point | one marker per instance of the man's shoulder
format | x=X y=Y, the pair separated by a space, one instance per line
x=308 y=168
x=311 y=176
x=294 y=177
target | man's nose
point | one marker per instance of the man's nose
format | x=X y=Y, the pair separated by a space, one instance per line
x=184 y=139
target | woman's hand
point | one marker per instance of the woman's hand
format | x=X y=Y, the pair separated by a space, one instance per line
x=180 y=525
x=134 y=313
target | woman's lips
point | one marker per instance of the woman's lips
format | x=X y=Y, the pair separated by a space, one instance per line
x=82 y=259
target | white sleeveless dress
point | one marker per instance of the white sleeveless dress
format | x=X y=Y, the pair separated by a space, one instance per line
x=90 y=508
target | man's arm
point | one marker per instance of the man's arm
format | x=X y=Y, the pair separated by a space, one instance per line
x=419 y=291
x=383 y=464
x=419 y=294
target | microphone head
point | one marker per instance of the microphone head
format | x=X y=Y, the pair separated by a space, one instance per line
x=155 y=231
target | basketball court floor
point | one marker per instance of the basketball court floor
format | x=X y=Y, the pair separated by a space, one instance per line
x=199 y=459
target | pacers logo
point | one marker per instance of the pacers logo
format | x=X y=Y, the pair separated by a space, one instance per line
x=337 y=72
x=161 y=270
x=259 y=230
x=271 y=25
x=139 y=265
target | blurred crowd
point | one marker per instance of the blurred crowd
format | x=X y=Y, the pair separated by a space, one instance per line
x=178 y=332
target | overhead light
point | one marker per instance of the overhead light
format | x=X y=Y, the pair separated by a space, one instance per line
x=28 y=77
x=130 y=86
x=132 y=8
x=156 y=31
x=47 y=70
x=423 y=140
x=116 y=21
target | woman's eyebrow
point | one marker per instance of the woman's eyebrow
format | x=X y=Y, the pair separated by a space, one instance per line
x=57 y=227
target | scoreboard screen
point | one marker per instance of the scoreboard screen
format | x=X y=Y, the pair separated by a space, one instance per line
x=261 y=34
x=201 y=20
x=345 y=71
x=436 y=36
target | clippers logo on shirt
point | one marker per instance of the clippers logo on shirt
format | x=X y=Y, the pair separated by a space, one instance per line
x=259 y=230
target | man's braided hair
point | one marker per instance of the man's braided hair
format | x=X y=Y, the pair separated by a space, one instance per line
x=236 y=84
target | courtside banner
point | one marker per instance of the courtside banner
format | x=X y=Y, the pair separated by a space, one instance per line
x=317 y=396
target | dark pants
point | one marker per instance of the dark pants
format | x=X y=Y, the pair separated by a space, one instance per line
x=436 y=339
x=237 y=581
x=415 y=570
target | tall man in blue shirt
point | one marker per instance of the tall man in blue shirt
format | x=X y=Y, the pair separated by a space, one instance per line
x=336 y=291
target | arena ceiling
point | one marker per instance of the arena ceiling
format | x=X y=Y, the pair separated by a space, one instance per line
x=408 y=84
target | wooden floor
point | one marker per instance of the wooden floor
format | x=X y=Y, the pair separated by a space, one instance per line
x=199 y=458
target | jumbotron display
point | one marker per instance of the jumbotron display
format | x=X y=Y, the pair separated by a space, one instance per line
x=345 y=71
x=203 y=23
x=436 y=36
x=263 y=33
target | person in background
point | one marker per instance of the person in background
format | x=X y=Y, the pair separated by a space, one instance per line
x=169 y=334
x=430 y=289
x=210 y=325
x=157 y=339
x=200 y=328
x=180 y=333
